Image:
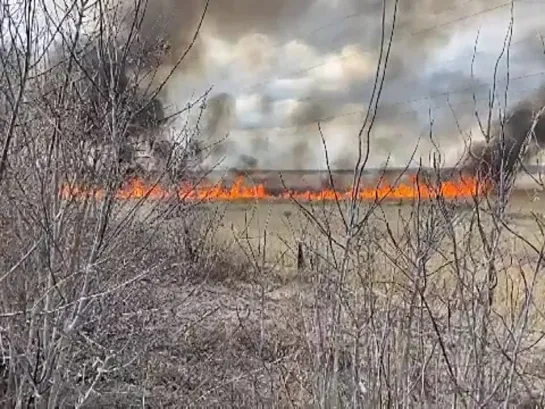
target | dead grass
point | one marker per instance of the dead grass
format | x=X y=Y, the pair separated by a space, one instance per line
x=264 y=337
x=224 y=323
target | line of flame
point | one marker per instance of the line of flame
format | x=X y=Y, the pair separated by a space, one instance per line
x=137 y=189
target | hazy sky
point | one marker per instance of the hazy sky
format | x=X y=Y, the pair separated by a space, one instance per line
x=276 y=67
x=279 y=76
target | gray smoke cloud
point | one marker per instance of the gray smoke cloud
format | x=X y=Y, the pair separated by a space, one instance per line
x=513 y=140
x=175 y=22
x=279 y=67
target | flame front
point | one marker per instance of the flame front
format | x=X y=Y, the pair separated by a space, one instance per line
x=239 y=190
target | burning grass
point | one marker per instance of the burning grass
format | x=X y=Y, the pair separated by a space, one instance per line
x=241 y=189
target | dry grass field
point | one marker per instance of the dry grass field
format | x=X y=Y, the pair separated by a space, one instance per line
x=428 y=305
x=268 y=304
x=275 y=227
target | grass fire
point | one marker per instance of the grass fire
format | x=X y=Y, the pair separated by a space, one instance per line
x=272 y=204
x=241 y=190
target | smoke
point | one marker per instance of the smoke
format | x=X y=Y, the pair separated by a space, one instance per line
x=176 y=22
x=513 y=140
x=277 y=68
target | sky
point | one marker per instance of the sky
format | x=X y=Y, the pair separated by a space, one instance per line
x=276 y=68
x=277 y=75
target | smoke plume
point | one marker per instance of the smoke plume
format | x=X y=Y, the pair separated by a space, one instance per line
x=513 y=140
x=278 y=67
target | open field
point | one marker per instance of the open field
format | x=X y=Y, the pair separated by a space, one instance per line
x=246 y=305
x=257 y=304
x=423 y=305
x=282 y=224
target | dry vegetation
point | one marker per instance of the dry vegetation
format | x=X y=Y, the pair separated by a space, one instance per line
x=108 y=303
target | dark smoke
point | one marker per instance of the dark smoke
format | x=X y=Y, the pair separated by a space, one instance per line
x=175 y=21
x=310 y=112
x=103 y=85
x=218 y=109
x=217 y=117
x=512 y=141
x=103 y=80
x=422 y=28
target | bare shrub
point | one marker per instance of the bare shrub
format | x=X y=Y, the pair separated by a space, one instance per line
x=74 y=268
x=427 y=312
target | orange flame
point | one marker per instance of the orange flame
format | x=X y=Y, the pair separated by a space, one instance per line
x=137 y=189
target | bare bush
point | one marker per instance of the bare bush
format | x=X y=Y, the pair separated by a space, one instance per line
x=74 y=267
